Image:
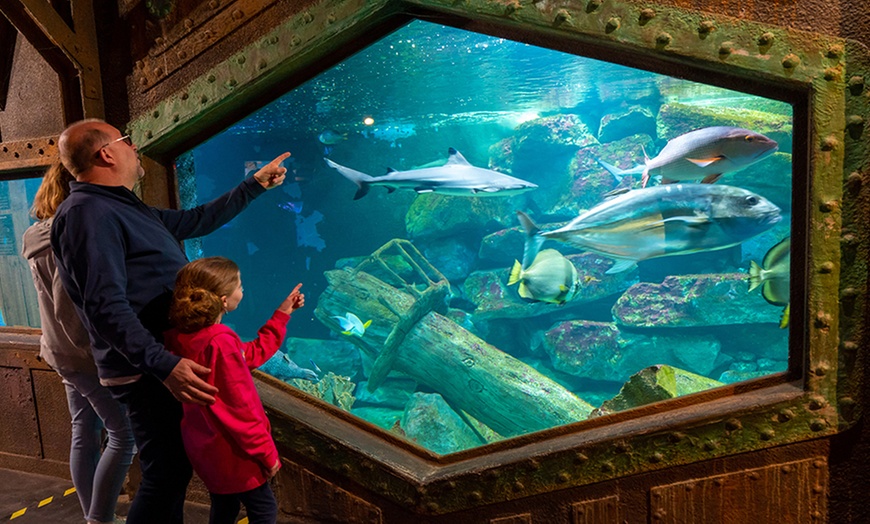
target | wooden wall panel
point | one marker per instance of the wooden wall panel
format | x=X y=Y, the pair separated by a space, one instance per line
x=52 y=412
x=599 y=511
x=19 y=434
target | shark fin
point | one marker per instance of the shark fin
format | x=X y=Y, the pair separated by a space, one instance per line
x=455 y=158
x=534 y=239
x=362 y=191
x=620 y=265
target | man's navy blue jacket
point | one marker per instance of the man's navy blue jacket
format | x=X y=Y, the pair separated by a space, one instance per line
x=118 y=258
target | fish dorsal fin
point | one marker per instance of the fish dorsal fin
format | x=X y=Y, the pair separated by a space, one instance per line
x=704 y=162
x=455 y=158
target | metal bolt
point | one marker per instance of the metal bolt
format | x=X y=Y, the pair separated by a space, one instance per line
x=826 y=267
x=766 y=39
x=791 y=61
x=612 y=24
x=646 y=15
x=663 y=39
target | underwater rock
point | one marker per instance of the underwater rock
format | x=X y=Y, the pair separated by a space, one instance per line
x=495 y=299
x=600 y=351
x=675 y=119
x=386 y=418
x=393 y=393
x=490 y=385
x=731 y=376
x=635 y=120
x=453 y=256
x=770 y=178
x=693 y=301
x=429 y=421
x=654 y=384
x=331 y=388
x=443 y=216
x=501 y=248
x=339 y=356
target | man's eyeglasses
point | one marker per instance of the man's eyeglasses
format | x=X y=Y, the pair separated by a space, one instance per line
x=126 y=139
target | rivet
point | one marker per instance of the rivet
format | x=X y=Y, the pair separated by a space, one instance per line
x=518 y=486
x=822 y=321
x=593 y=5
x=689 y=487
x=51 y=141
x=40 y=151
x=188 y=23
x=182 y=54
x=512 y=7
x=710 y=445
x=850 y=346
x=676 y=436
x=203 y=99
x=213 y=4
x=563 y=477
x=232 y=82
x=646 y=15
x=790 y=61
x=733 y=424
x=854 y=121
x=345 y=468
x=432 y=507
x=238 y=14
x=656 y=457
x=766 y=39
x=29 y=145
x=295 y=40
x=175 y=118
x=848 y=239
x=827 y=207
x=16 y=154
x=663 y=39
x=534 y=465
x=607 y=467
x=143 y=81
x=767 y=434
x=158 y=71
x=821 y=370
x=156 y=114
x=242 y=59
x=816 y=402
x=785 y=415
x=330 y=19
x=705 y=28
x=818 y=464
x=185 y=96
x=856 y=85
x=211 y=79
x=787 y=469
x=262 y=64
x=818 y=425
x=140 y=64
x=826 y=267
x=816 y=515
x=562 y=16
x=835 y=51
x=754 y=475
x=476 y=496
x=149 y=134
x=659 y=514
x=831 y=74
x=818 y=489
x=621 y=447
x=580 y=458
x=159 y=41
x=612 y=25
x=718 y=482
x=829 y=143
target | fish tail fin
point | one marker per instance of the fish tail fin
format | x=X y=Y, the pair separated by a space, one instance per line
x=617 y=173
x=367 y=324
x=516 y=273
x=754 y=275
x=534 y=239
x=359 y=178
x=786 y=313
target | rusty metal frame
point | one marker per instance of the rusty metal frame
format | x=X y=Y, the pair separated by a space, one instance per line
x=72 y=52
x=815 y=399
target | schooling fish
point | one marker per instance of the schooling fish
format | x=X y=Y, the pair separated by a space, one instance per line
x=550 y=278
x=660 y=221
x=773 y=277
x=703 y=154
x=456 y=177
x=352 y=325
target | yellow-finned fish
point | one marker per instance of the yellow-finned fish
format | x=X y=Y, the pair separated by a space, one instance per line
x=703 y=154
x=660 y=221
x=550 y=278
x=773 y=277
x=352 y=325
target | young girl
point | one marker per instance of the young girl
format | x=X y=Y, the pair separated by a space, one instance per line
x=229 y=442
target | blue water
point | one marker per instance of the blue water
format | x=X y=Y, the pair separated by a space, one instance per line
x=533 y=113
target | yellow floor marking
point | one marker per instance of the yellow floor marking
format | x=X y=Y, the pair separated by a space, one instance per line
x=243 y=521
x=18 y=513
x=43 y=502
x=70 y=491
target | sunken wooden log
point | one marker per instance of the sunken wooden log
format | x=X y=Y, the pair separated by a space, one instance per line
x=497 y=389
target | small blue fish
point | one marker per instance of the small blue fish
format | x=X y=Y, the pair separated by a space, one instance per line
x=352 y=325
x=315 y=366
x=330 y=137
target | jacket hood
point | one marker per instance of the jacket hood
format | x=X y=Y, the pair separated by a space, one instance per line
x=36 y=239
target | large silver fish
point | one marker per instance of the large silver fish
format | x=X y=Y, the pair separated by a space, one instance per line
x=549 y=278
x=456 y=177
x=660 y=221
x=773 y=275
x=704 y=154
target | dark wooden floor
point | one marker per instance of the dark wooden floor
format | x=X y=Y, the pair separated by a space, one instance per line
x=27 y=498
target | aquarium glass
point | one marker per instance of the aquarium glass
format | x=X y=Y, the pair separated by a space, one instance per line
x=432 y=309
x=17 y=295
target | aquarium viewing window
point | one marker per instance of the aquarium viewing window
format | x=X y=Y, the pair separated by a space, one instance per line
x=496 y=238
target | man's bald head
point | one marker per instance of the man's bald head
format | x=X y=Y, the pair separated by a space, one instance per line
x=80 y=141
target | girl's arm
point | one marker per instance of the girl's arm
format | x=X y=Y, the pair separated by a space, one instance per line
x=271 y=335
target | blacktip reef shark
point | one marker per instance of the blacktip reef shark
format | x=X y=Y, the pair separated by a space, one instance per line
x=456 y=177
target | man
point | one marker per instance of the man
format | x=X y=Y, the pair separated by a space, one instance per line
x=118 y=259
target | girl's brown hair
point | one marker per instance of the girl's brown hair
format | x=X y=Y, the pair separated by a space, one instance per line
x=199 y=286
x=53 y=190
